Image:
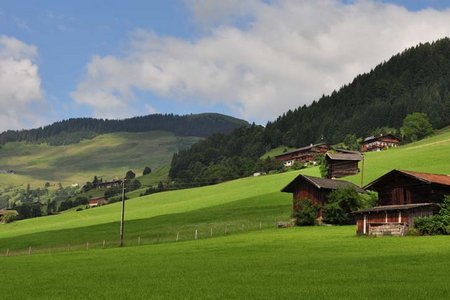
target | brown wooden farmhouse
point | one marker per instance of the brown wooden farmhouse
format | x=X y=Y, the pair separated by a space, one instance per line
x=402 y=196
x=315 y=189
x=342 y=164
x=303 y=155
x=381 y=142
x=98 y=201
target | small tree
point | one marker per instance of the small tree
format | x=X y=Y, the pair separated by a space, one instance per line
x=306 y=213
x=341 y=202
x=351 y=142
x=147 y=170
x=130 y=175
x=415 y=127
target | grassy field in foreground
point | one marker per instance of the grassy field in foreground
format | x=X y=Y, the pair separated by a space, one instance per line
x=299 y=263
x=107 y=156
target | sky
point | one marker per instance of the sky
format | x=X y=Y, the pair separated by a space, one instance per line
x=252 y=59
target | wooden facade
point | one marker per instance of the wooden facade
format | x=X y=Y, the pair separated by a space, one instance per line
x=381 y=142
x=98 y=201
x=303 y=155
x=315 y=189
x=342 y=164
x=402 y=196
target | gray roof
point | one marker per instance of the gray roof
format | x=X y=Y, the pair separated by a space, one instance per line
x=394 y=207
x=300 y=149
x=345 y=156
x=321 y=183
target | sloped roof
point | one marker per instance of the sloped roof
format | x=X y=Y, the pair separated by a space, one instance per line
x=393 y=207
x=300 y=149
x=370 y=138
x=321 y=183
x=345 y=156
x=427 y=178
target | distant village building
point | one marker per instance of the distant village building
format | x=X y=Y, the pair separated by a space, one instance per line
x=303 y=155
x=98 y=201
x=378 y=143
x=342 y=163
x=402 y=196
x=7 y=172
x=109 y=184
x=315 y=189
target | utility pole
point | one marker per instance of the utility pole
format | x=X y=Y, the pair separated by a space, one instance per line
x=122 y=220
x=362 y=171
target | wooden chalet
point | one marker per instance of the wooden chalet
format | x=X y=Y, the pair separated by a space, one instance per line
x=315 y=189
x=303 y=155
x=109 y=184
x=342 y=163
x=402 y=196
x=97 y=201
x=378 y=143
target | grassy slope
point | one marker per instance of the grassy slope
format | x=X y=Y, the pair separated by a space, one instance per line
x=300 y=263
x=108 y=156
x=245 y=200
x=315 y=262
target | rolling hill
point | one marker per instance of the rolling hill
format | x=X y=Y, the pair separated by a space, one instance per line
x=239 y=252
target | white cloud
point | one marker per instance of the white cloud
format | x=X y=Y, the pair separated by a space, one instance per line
x=290 y=54
x=20 y=85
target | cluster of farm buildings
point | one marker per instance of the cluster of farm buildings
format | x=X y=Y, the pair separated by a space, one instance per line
x=402 y=195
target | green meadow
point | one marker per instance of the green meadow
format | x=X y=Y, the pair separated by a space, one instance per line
x=246 y=256
x=299 y=263
x=107 y=156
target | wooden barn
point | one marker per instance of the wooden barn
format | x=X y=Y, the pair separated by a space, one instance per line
x=381 y=142
x=402 y=195
x=315 y=189
x=303 y=155
x=98 y=201
x=342 y=163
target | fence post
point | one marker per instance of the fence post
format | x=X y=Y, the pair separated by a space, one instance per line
x=226 y=229
x=196 y=231
x=157 y=238
x=211 y=232
x=139 y=240
x=29 y=250
x=7 y=252
x=260 y=225
x=104 y=242
x=68 y=247
x=178 y=235
x=243 y=227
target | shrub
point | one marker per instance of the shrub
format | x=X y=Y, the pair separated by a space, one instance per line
x=8 y=217
x=437 y=224
x=306 y=213
x=341 y=202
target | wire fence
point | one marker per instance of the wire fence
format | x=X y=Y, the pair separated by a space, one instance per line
x=173 y=235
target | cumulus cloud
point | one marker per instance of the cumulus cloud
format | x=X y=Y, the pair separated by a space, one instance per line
x=20 y=85
x=288 y=54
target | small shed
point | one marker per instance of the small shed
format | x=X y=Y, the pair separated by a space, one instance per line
x=342 y=163
x=97 y=201
x=402 y=195
x=304 y=154
x=315 y=189
x=377 y=143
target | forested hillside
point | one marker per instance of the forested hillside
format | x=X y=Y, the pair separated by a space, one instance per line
x=416 y=80
x=74 y=130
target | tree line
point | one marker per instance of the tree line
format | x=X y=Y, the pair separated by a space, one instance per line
x=74 y=130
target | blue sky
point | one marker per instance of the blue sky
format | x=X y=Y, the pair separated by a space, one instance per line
x=122 y=58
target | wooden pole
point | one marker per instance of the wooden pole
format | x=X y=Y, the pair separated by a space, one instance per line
x=178 y=235
x=211 y=232
x=122 y=219
x=196 y=232
x=139 y=240
x=362 y=172
x=7 y=252
x=104 y=242
x=29 y=250
x=87 y=245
